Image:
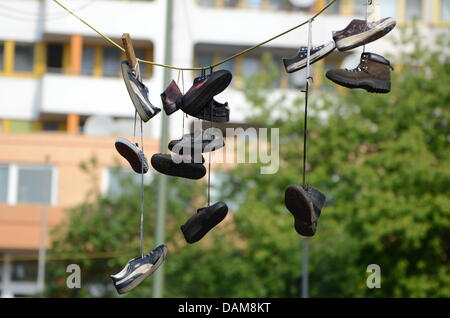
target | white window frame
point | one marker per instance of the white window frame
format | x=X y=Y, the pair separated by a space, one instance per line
x=13 y=182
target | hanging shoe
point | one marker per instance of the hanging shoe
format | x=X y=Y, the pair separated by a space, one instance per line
x=133 y=154
x=360 y=32
x=200 y=141
x=203 y=90
x=215 y=112
x=165 y=164
x=372 y=74
x=171 y=98
x=305 y=204
x=138 y=94
x=138 y=269
x=203 y=221
x=299 y=61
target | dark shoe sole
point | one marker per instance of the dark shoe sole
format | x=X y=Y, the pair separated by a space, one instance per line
x=296 y=201
x=202 y=222
x=130 y=152
x=367 y=37
x=370 y=85
x=295 y=63
x=194 y=103
x=164 y=164
x=144 y=112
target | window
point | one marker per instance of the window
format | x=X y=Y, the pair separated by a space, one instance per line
x=413 y=10
x=87 y=64
x=445 y=11
x=334 y=9
x=388 y=8
x=230 y=3
x=54 y=58
x=24 y=57
x=209 y=3
x=278 y=4
x=253 y=4
x=34 y=185
x=4 y=184
x=111 y=61
x=24 y=271
x=50 y=126
x=360 y=7
x=2 y=55
x=250 y=66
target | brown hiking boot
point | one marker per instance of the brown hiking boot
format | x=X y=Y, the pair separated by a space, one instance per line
x=372 y=74
x=359 y=32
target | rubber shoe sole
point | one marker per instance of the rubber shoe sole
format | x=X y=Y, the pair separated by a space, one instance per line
x=203 y=221
x=132 y=154
x=164 y=164
x=297 y=202
x=370 y=85
x=367 y=37
x=193 y=103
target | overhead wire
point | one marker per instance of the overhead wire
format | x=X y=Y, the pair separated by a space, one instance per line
x=201 y=68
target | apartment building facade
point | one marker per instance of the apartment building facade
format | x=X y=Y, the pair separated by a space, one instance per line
x=62 y=99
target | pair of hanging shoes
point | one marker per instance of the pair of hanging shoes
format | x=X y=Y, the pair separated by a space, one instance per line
x=203 y=221
x=305 y=204
x=138 y=269
x=373 y=76
x=198 y=101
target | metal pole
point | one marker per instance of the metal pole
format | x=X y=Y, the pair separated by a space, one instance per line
x=158 y=281
x=305 y=268
x=42 y=251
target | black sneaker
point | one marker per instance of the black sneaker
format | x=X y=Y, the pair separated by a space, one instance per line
x=138 y=269
x=134 y=156
x=138 y=93
x=199 y=141
x=203 y=221
x=305 y=204
x=165 y=164
x=203 y=91
x=299 y=61
x=215 y=112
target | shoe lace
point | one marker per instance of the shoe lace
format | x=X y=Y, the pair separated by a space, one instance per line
x=362 y=67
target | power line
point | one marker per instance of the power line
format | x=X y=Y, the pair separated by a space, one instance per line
x=202 y=67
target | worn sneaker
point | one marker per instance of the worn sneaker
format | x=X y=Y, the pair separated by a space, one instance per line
x=203 y=91
x=138 y=94
x=167 y=164
x=199 y=141
x=360 y=32
x=305 y=204
x=134 y=156
x=372 y=74
x=171 y=98
x=138 y=269
x=299 y=61
x=214 y=112
x=203 y=221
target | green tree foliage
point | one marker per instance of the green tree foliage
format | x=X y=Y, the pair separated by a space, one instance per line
x=382 y=160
